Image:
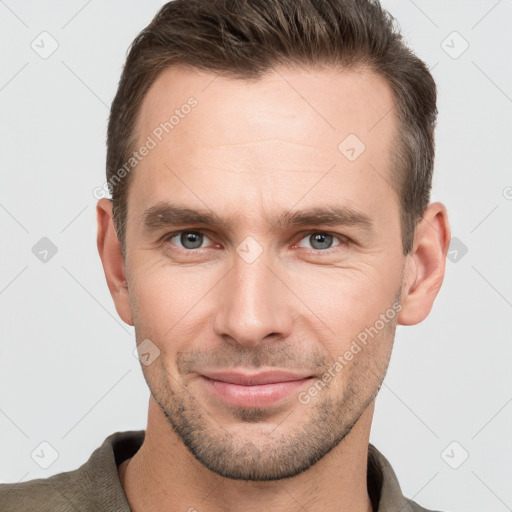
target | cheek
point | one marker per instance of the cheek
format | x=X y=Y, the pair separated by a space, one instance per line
x=169 y=301
x=341 y=304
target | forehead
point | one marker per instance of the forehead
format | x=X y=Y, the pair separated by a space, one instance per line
x=332 y=100
x=265 y=141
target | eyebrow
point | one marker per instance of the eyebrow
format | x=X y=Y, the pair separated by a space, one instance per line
x=165 y=215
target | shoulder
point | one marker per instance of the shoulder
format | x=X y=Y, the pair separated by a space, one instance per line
x=42 y=494
x=383 y=485
x=414 y=507
x=93 y=486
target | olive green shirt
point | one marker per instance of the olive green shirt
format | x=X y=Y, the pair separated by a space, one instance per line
x=95 y=486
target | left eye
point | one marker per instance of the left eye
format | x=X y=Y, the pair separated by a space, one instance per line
x=189 y=239
x=322 y=241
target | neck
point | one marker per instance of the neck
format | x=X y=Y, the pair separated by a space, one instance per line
x=164 y=475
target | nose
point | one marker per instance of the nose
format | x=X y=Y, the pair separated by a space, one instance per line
x=254 y=304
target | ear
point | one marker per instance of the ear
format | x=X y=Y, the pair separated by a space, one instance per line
x=425 y=265
x=111 y=256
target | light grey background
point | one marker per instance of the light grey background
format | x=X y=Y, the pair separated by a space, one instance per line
x=68 y=375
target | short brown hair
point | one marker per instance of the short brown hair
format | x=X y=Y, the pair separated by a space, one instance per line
x=246 y=38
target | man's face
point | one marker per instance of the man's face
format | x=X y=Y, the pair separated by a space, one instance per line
x=251 y=295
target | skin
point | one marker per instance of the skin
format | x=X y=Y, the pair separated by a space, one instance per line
x=249 y=151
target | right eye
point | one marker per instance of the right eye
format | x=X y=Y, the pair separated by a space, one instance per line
x=186 y=240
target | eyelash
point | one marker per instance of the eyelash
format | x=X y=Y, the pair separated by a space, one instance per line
x=343 y=240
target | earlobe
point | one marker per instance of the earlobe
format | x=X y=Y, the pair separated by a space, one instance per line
x=425 y=265
x=109 y=249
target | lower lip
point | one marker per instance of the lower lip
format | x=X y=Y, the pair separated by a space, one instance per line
x=262 y=395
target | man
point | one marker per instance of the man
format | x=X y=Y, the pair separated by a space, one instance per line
x=270 y=164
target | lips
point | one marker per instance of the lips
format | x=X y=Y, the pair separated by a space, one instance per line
x=253 y=390
x=254 y=379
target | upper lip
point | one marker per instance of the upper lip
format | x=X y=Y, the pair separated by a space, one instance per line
x=246 y=379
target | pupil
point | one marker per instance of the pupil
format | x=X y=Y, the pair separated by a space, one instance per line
x=191 y=240
x=321 y=238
